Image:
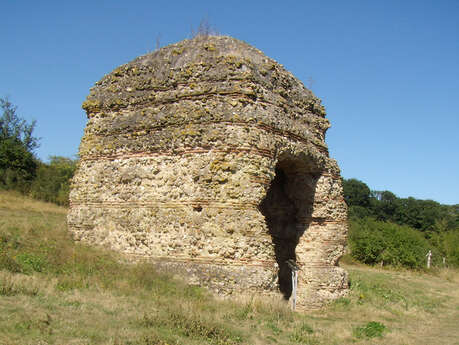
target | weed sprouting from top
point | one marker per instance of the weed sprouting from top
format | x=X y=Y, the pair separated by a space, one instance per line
x=204 y=30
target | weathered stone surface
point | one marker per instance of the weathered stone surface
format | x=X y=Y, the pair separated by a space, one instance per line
x=210 y=158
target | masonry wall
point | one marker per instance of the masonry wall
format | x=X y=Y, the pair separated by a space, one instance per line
x=179 y=154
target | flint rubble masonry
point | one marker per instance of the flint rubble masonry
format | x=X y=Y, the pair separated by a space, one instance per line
x=209 y=158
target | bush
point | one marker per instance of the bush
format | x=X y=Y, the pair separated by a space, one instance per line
x=450 y=244
x=52 y=183
x=375 y=242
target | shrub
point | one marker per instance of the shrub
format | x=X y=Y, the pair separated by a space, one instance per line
x=52 y=183
x=451 y=247
x=375 y=242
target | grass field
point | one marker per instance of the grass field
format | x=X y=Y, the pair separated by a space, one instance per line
x=53 y=291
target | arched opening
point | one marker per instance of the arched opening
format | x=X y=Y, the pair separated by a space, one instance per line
x=287 y=209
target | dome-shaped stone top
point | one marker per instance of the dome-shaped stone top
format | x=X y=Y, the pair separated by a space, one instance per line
x=196 y=66
x=206 y=79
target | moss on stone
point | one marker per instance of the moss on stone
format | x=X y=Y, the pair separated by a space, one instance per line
x=92 y=105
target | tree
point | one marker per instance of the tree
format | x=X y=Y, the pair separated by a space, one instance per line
x=12 y=126
x=384 y=205
x=420 y=214
x=17 y=162
x=356 y=193
x=357 y=197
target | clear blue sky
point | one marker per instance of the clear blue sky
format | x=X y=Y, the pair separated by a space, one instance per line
x=387 y=72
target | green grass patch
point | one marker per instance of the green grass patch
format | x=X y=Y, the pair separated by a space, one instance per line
x=372 y=329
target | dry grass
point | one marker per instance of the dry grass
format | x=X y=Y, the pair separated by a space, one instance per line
x=55 y=292
x=416 y=308
x=15 y=201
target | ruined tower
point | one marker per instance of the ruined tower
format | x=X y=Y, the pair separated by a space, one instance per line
x=209 y=158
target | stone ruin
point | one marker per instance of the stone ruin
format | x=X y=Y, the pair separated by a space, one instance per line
x=209 y=158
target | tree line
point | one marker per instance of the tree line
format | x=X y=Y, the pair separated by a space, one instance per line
x=21 y=170
x=388 y=230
